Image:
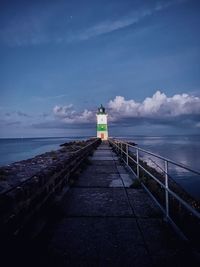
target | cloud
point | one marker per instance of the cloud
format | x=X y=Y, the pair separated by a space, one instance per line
x=13 y=118
x=68 y=115
x=179 y=110
x=13 y=123
x=45 y=115
x=32 y=27
x=22 y=114
x=113 y=25
x=64 y=111
x=159 y=106
x=55 y=124
x=4 y=123
x=44 y=98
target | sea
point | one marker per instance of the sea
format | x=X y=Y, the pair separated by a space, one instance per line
x=184 y=149
x=16 y=149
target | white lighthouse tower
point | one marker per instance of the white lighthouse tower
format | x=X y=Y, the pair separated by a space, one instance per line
x=102 y=126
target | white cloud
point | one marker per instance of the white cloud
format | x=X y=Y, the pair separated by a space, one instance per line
x=157 y=106
x=177 y=110
x=68 y=115
x=113 y=25
x=64 y=111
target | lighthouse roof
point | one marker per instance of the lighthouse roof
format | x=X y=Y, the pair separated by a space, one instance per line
x=101 y=110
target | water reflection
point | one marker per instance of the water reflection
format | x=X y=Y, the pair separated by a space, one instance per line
x=182 y=149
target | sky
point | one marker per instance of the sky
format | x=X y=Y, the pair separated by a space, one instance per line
x=59 y=60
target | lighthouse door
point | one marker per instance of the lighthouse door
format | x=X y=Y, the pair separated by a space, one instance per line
x=102 y=136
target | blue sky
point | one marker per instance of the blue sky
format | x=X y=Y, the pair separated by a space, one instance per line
x=61 y=59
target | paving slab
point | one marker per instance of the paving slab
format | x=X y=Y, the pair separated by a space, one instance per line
x=103 y=152
x=96 y=202
x=126 y=179
x=104 y=223
x=142 y=204
x=105 y=148
x=98 y=242
x=102 y=163
x=110 y=158
x=103 y=155
x=108 y=224
x=99 y=180
x=116 y=183
x=164 y=246
x=121 y=169
x=99 y=169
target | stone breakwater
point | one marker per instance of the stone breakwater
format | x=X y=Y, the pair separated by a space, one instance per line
x=27 y=185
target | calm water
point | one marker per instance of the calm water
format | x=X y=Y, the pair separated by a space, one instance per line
x=12 y=150
x=183 y=149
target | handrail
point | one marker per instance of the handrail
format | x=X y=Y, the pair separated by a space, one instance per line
x=168 y=191
x=35 y=175
x=160 y=157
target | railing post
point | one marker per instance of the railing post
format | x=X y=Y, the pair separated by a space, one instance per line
x=127 y=154
x=138 y=168
x=166 y=190
x=121 y=149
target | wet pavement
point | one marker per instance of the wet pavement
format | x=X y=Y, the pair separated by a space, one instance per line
x=102 y=221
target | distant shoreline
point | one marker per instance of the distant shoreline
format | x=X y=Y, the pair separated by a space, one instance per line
x=90 y=136
x=53 y=137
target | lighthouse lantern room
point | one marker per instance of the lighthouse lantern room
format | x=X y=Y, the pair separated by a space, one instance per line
x=102 y=127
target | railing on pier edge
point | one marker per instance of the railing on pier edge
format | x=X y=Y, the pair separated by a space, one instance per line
x=20 y=203
x=178 y=207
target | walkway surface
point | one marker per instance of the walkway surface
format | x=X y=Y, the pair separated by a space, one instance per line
x=103 y=222
x=106 y=223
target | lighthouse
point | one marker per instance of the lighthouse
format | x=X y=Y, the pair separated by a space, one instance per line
x=102 y=127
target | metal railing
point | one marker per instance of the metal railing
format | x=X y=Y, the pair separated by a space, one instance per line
x=20 y=203
x=123 y=149
x=84 y=148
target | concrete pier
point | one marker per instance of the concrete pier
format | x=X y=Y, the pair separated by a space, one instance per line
x=102 y=221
